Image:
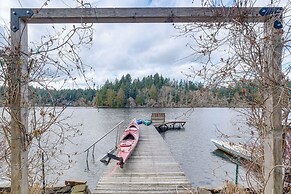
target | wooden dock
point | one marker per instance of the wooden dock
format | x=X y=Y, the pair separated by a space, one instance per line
x=150 y=169
x=159 y=122
x=161 y=127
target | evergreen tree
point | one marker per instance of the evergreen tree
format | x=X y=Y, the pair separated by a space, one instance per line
x=120 y=98
x=111 y=95
x=153 y=92
x=140 y=99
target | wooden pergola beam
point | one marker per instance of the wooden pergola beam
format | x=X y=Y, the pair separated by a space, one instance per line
x=145 y=15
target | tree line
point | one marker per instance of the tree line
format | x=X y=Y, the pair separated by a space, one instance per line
x=157 y=91
x=63 y=97
x=151 y=91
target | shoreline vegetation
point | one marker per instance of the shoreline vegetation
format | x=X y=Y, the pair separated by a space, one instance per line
x=151 y=91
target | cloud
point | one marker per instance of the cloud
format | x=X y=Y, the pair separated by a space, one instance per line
x=130 y=48
x=118 y=49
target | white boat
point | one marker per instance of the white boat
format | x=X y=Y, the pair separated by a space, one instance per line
x=235 y=150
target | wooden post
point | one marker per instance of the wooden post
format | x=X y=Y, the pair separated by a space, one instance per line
x=18 y=95
x=273 y=109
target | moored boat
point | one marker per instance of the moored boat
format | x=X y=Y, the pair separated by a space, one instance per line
x=127 y=143
x=235 y=150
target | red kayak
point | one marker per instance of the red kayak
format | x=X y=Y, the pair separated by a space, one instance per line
x=127 y=143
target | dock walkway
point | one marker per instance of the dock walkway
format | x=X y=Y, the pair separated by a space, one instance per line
x=150 y=169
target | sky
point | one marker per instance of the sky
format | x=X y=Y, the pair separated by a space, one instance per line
x=118 y=49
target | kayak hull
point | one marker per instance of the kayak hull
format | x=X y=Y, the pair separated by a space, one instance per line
x=128 y=142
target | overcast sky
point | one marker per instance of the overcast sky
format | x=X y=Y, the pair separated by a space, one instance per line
x=118 y=49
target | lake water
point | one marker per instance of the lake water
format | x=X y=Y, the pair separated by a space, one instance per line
x=191 y=147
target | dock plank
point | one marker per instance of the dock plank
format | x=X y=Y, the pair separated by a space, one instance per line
x=150 y=169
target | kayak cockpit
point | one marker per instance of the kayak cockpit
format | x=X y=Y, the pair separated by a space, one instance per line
x=127 y=140
x=129 y=136
x=132 y=128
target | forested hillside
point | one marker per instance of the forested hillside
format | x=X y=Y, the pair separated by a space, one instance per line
x=157 y=91
x=151 y=91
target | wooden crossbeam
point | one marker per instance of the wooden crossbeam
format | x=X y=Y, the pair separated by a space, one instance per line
x=145 y=15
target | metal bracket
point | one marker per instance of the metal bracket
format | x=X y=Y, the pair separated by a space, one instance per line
x=16 y=14
x=278 y=24
x=265 y=11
